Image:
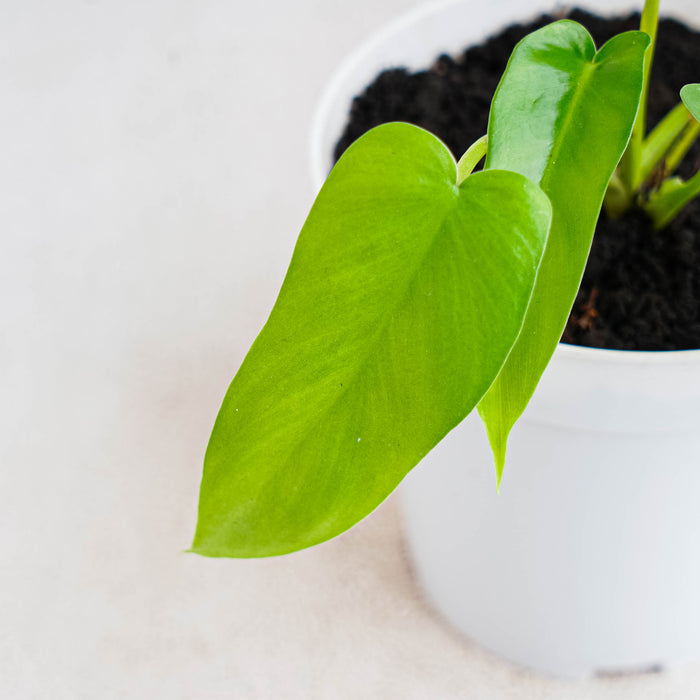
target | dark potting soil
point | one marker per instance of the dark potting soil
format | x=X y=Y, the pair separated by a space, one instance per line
x=641 y=288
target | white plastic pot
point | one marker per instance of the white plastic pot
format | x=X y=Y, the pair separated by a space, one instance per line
x=589 y=559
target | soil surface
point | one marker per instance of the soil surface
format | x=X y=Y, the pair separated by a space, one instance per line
x=641 y=288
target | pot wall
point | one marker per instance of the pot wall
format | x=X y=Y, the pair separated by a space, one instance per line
x=589 y=559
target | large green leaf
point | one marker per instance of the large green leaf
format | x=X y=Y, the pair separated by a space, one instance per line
x=562 y=116
x=404 y=295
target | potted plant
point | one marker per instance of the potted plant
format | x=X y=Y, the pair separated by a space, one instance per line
x=419 y=289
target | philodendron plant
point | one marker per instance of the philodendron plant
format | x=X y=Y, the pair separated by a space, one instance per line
x=419 y=290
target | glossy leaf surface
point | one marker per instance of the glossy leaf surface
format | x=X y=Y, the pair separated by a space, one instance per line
x=562 y=116
x=403 y=297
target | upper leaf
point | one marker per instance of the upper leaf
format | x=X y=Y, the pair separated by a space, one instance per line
x=404 y=295
x=690 y=94
x=562 y=116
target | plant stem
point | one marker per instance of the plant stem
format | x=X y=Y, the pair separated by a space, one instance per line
x=682 y=146
x=630 y=165
x=648 y=24
x=471 y=158
x=661 y=139
x=618 y=199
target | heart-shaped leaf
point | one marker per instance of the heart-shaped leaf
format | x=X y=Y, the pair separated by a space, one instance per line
x=403 y=298
x=562 y=116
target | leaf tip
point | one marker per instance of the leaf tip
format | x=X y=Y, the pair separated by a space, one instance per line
x=198 y=546
x=497 y=433
x=499 y=459
x=192 y=549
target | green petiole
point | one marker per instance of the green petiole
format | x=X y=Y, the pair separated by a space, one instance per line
x=659 y=142
x=471 y=158
x=682 y=146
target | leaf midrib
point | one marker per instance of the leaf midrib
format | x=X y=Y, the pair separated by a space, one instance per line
x=585 y=76
x=383 y=325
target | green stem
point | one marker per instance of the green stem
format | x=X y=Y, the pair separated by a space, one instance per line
x=648 y=24
x=661 y=139
x=471 y=158
x=682 y=146
x=630 y=165
x=618 y=199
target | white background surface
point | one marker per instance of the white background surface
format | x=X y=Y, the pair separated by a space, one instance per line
x=153 y=178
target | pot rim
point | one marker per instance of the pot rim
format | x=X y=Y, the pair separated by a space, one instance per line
x=319 y=171
x=660 y=357
x=319 y=164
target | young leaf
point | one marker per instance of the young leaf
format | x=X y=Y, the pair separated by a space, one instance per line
x=665 y=204
x=690 y=94
x=404 y=295
x=562 y=116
